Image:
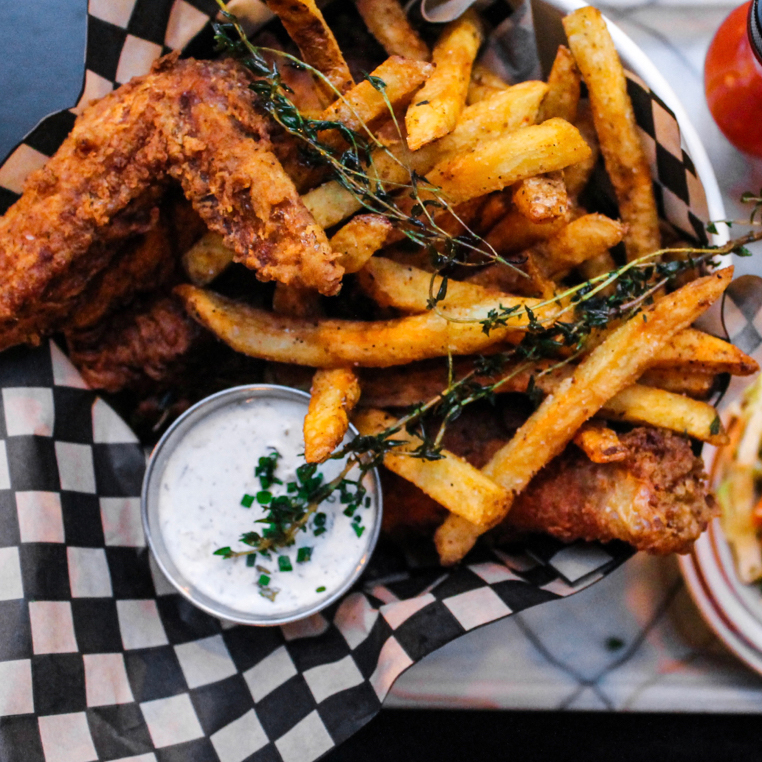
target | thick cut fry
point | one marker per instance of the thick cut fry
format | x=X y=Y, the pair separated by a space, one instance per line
x=611 y=367
x=435 y=110
x=307 y=28
x=484 y=84
x=696 y=384
x=515 y=233
x=206 y=259
x=695 y=350
x=388 y=23
x=597 y=59
x=493 y=165
x=360 y=239
x=510 y=110
x=563 y=88
x=451 y=481
x=365 y=105
x=600 y=443
x=342 y=343
x=542 y=197
x=644 y=404
x=334 y=395
x=586 y=237
x=407 y=288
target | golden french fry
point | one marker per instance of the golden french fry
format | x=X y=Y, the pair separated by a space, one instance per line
x=600 y=443
x=307 y=28
x=435 y=110
x=364 y=105
x=334 y=395
x=585 y=238
x=526 y=279
x=578 y=175
x=484 y=84
x=598 y=61
x=515 y=233
x=388 y=23
x=644 y=404
x=341 y=343
x=207 y=259
x=542 y=197
x=695 y=350
x=611 y=367
x=697 y=384
x=494 y=164
x=451 y=481
x=563 y=88
x=360 y=239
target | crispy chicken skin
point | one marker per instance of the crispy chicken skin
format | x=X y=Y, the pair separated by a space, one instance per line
x=150 y=341
x=656 y=499
x=193 y=121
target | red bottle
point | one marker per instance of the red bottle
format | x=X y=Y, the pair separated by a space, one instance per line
x=733 y=78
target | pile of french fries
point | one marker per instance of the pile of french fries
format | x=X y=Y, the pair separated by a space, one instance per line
x=513 y=161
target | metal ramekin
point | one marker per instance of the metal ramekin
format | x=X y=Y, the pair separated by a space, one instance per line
x=149 y=506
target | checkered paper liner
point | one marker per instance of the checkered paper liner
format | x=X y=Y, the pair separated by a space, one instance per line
x=100 y=658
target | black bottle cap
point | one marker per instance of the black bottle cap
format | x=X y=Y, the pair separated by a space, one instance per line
x=755 y=29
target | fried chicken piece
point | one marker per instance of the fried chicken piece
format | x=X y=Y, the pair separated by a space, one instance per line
x=194 y=121
x=655 y=499
x=152 y=341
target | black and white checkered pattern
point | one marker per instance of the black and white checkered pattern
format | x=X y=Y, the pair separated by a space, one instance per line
x=99 y=658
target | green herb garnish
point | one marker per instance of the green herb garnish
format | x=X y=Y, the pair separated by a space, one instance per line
x=320 y=589
x=284 y=564
x=303 y=555
x=247 y=501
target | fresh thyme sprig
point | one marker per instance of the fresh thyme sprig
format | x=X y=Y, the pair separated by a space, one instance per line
x=557 y=329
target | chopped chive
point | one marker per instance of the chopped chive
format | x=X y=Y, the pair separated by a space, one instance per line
x=319 y=531
x=264 y=497
x=263 y=580
x=247 y=501
x=358 y=529
x=357 y=519
x=320 y=589
x=319 y=519
x=251 y=559
x=303 y=554
x=284 y=564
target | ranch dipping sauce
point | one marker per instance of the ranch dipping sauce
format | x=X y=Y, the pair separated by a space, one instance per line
x=215 y=474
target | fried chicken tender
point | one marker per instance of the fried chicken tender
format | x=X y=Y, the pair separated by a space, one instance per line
x=191 y=121
x=151 y=341
x=656 y=499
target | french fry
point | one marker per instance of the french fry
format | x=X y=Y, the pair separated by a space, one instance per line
x=451 y=481
x=388 y=23
x=576 y=176
x=207 y=259
x=365 y=105
x=360 y=239
x=334 y=394
x=695 y=350
x=612 y=366
x=494 y=164
x=697 y=384
x=307 y=28
x=563 y=88
x=598 y=61
x=644 y=404
x=484 y=84
x=542 y=197
x=526 y=278
x=600 y=443
x=435 y=110
x=342 y=343
x=407 y=288
x=515 y=233
x=586 y=237
x=511 y=109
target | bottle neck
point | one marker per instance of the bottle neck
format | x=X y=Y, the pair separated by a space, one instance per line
x=754 y=28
